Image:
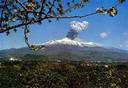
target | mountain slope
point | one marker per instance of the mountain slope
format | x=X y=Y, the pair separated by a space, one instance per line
x=71 y=50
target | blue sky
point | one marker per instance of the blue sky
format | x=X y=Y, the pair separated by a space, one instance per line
x=103 y=29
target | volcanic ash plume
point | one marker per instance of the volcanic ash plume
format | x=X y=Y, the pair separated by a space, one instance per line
x=76 y=28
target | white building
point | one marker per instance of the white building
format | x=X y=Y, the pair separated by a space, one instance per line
x=13 y=59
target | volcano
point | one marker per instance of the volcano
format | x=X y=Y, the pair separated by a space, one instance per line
x=67 y=49
x=70 y=48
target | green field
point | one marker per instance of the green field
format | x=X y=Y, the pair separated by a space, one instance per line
x=39 y=74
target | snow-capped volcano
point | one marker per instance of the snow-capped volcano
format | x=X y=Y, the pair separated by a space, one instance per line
x=71 y=37
x=70 y=48
x=67 y=41
x=71 y=43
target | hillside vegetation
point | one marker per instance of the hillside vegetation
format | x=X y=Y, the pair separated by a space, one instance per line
x=39 y=74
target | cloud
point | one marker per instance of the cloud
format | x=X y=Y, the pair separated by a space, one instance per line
x=126 y=44
x=125 y=40
x=125 y=33
x=104 y=35
x=79 y=26
x=120 y=45
x=76 y=28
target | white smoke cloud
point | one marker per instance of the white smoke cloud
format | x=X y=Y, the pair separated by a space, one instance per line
x=79 y=26
x=103 y=35
x=76 y=28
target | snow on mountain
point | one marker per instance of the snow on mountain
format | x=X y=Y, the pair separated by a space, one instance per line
x=67 y=41
x=71 y=48
x=71 y=37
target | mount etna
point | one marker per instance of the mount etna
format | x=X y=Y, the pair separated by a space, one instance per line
x=69 y=48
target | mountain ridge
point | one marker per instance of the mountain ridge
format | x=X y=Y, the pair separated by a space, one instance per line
x=71 y=50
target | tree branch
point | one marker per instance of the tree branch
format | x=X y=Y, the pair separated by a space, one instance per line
x=49 y=17
x=22 y=5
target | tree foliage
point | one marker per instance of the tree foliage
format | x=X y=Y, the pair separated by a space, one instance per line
x=17 y=13
x=37 y=74
x=23 y=13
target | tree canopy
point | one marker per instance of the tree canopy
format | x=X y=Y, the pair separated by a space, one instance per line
x=15 y=14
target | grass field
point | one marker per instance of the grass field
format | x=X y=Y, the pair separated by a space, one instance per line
x=38 y=74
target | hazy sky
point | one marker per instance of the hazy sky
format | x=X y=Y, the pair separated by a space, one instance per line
x=103 y=29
